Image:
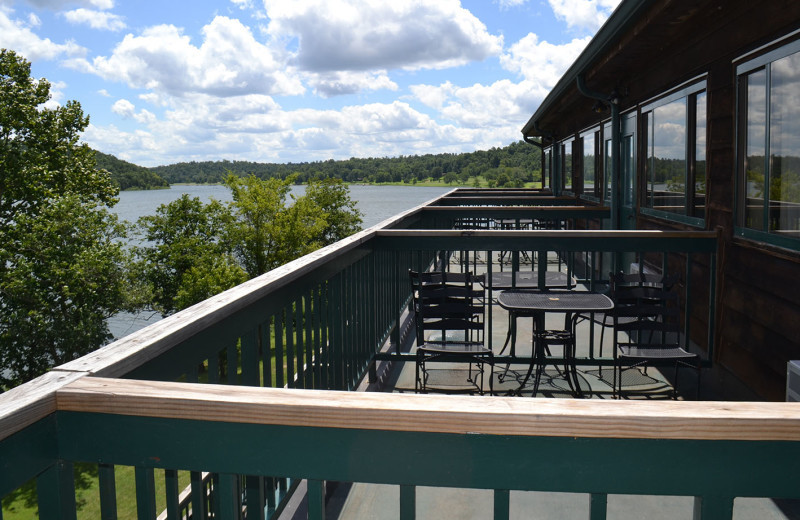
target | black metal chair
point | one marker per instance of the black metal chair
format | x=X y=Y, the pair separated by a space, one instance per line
x=647 y=327
x=449 y=311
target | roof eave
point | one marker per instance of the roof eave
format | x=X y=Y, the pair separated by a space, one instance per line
x=626 y=14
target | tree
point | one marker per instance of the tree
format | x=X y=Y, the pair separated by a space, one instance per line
x=342 y=217
x=62 y=264
x=266 y=232
x=187 y=256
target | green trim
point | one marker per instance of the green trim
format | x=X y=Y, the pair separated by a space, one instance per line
x=579 y=465
x=676 y=217
x=768 y=238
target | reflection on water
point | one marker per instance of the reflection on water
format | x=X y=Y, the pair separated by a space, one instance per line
x=377 y=203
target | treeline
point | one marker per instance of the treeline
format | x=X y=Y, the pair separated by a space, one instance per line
x=129 y=176
x=511 y=165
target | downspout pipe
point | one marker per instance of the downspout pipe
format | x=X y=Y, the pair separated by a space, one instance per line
x=540 y=144
x=613 y=102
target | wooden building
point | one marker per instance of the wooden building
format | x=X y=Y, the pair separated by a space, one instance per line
x=685 y=114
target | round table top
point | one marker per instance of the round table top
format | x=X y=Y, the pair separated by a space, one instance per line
x=523 y=300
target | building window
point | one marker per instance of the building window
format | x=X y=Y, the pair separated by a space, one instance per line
x=567 y=165
x=547 y=160
x=607 y=159
x=675 y=159
x=591 y=187
x=769 y=147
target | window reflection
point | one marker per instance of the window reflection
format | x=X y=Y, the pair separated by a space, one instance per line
x=699 y=206
x=755 y=151
x=588 y=164
x=667 y=158
x=784 y=148
x=566 y=172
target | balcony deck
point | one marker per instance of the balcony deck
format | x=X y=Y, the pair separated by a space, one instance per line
x=187 y=394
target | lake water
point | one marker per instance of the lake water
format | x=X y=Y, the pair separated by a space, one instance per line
x=377 y=203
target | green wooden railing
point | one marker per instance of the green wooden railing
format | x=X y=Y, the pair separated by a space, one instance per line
x=322 y=322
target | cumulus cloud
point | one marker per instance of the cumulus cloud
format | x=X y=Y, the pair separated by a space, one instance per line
x=123 y=108
x=17 y=35
x=95 y=19
x=583 y=14
x=504 y=102
x=335 y=83
x=540 y=61
x=336 y=35
x=229 y=62
x=505 y=4
x=57 y=5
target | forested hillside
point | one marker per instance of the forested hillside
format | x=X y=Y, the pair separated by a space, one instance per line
x=129 y=176
x=512 y=165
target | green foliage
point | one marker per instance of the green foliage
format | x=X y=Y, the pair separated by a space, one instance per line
x=519 y=155
x=62 y=266
x=184 y=238
x=129 y=176
x=63 y=276
x=339 y=211
x=266 y=231
x=193 y=250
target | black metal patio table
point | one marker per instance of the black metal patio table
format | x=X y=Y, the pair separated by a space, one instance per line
x=534 y=303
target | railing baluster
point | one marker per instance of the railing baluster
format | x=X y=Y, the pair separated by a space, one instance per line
x=55 y=488
x=279 y=357
x=232 y=357
x=290 y=352
x=145 y=493
x=299 y=343
x=408 y=502
x=172 y=493
x=713 y=508
x=598 y=506
x=255 y=498
x=502 y=506
x=199 y=510
x=316 y=500
x=250 y=362
x=308 y=343
x=266 y=352
x=108 y=491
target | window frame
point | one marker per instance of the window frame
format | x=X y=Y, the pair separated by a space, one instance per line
x=688 y=91
x=596 y=134
x=744 y=69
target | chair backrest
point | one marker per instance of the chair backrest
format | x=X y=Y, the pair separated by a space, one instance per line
x=646 y=309
x=452 y=304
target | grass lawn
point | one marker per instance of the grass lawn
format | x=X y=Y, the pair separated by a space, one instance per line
x=88 y=495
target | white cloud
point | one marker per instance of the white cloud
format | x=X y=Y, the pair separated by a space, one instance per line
x=583 y=14
x=57 y=5
x=505 y=4
x=103 y=92
x=17 y=35
x=504 y=103
x=335 y=83
x=56 y=95
x=336 y=35
x=542 y=62
x=123 y=108
x=33 y=20
x=95 y=19
x=229 y=62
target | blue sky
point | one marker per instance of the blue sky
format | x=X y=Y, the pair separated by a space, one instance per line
x=299 y=80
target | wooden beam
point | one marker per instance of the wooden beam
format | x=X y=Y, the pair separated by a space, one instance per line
x=678 y=420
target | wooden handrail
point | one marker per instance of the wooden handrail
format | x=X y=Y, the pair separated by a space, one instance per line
x=741 y=421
